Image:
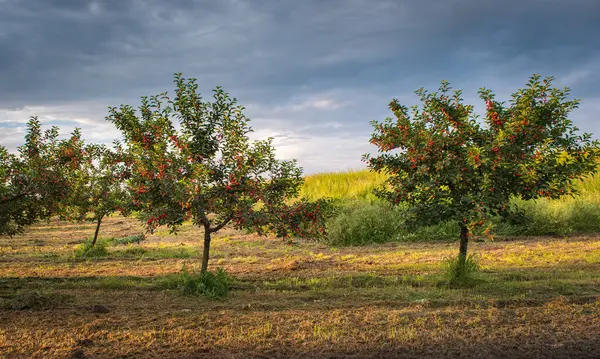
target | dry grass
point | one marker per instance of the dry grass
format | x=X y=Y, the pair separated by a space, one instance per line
x=536 y=297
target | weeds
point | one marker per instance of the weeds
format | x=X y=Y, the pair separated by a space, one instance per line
x=363 y=223
x=359 y=209
x=86 y=250
x=459 y=273
x=207 y=284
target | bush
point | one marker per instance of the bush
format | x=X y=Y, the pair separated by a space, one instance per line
x=363 y=223
x=207 y=284
x=460 y=274
x=85 y=250
x=561 y=217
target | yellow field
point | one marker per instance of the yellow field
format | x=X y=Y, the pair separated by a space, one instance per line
x=342 y=185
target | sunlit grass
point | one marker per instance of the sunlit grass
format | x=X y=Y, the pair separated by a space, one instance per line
x=342 y=185
x=354 y=192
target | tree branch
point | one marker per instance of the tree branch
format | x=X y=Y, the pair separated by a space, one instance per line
x=221 y=225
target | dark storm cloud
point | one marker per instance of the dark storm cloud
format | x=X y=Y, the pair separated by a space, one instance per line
x=62 y=50
x=304 y=68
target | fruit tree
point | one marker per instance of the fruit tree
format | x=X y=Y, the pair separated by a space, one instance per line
x=34 y=181
x=192 y=159
x=447 y=164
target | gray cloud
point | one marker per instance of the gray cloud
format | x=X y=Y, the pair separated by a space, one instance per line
x=308 y=70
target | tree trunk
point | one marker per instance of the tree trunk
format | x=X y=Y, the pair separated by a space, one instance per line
x=206 y=250
x=97 y=230
x=464 y=243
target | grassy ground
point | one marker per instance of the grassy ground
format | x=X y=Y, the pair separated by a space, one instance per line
x=346 y=185
x=353 y=190
x=535 y=297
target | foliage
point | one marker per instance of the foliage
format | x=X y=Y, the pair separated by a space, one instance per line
x=204 y=167
x=34 y=181
x=563 y=216
x=558 y=217
x=364 y=223
x=302 y=218
x=89 y=249
x=449 y=166
x=460 y=273
x=205 y=283
x=97 y=186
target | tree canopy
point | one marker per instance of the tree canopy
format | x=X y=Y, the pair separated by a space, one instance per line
x=192 y=159
x=34 y=181
x=98 y=185
x=449 y=164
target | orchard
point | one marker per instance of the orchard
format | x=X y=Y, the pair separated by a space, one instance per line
x=248 y=257
x=183 y=158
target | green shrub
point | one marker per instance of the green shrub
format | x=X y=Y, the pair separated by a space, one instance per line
x=364 y=223
x=562 y=217
x=85 y=250
x=208 y=284
x=460 y=274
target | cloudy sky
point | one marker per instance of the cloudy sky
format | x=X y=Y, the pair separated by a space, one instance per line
x=311 y=73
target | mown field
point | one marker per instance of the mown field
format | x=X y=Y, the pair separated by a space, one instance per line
x=535 y=297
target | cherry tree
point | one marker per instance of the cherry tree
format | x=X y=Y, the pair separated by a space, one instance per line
x=191 y=159
x=98 y=186
x=34 y=181
x=449 y=165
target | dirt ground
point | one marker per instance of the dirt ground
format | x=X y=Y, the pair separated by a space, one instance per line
x=533 y=298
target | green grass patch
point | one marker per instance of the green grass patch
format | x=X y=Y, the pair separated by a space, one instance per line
x=135 y=252
x=196 y=283
x=346 y=282
x=130 y=251
x=362 y=218
x=460 y=273
x=86 y=250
